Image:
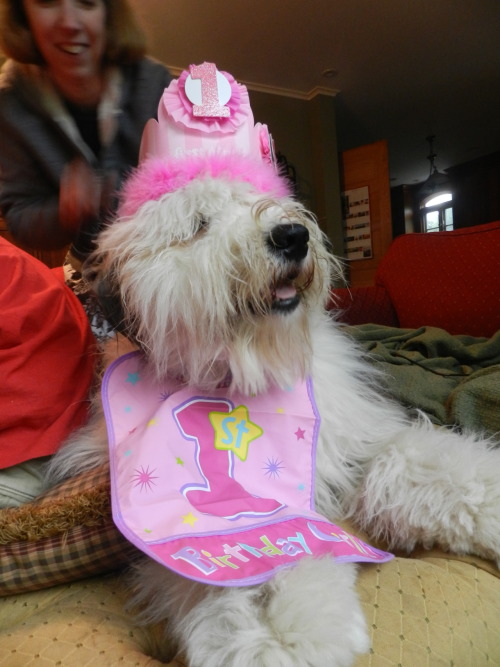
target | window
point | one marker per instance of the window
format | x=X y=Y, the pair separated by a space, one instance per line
x=437 y=213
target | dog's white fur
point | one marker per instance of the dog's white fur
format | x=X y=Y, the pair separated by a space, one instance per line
x=197 y=275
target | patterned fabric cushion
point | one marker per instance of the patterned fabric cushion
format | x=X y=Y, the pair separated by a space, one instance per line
x=83 y=623
x=66 y=534
x=428 y=612
x=430 y=609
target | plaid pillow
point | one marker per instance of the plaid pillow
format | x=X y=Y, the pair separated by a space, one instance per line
x=66 y=534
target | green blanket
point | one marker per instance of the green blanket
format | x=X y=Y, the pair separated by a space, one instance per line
x=453 y=379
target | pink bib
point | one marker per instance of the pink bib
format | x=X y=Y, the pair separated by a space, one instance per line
x=217 y=488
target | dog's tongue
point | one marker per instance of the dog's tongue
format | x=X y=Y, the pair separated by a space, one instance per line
x=286 y=292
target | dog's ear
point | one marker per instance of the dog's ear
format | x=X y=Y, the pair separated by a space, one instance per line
x=111 y=305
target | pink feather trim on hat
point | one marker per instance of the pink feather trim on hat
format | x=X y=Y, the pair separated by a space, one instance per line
x=205 y=132
x=156 y=177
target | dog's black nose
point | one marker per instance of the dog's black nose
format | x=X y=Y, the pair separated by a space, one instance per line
x=289 y=240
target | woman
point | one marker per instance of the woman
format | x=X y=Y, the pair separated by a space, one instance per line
x=75 y=95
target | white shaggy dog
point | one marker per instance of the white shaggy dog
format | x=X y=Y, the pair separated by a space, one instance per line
x=217 y=282
x=221 y=280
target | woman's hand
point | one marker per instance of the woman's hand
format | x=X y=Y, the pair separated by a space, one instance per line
x=79 y=195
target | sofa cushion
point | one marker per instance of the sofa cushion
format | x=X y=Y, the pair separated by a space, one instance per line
x=357 y=305
x=432 y=611
x=449 y=280
x=46 y=358
x=84 y=623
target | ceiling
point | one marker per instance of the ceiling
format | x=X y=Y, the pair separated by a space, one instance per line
x=402 y=69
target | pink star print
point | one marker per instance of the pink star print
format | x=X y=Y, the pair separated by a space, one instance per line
x=144 y=478
x=300 y=434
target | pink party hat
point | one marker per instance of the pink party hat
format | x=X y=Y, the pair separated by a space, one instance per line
x=205 y=127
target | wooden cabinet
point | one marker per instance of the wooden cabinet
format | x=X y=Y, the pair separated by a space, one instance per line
x=369 y=166
x=51 y=258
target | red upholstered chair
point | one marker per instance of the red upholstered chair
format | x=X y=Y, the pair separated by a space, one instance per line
x=449 y=280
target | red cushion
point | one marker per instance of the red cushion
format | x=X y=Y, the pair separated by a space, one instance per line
x=46 y=358
x=361 y=305
x=449 y=280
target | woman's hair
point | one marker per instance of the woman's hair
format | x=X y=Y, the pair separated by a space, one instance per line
x=126 y=42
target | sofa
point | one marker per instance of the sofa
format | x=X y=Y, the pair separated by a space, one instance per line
x=449 y=280
x=431 y=322
x=431 y=318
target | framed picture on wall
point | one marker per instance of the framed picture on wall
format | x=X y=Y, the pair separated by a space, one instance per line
x=357 y=224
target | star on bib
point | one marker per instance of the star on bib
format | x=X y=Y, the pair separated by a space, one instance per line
x=234 y=431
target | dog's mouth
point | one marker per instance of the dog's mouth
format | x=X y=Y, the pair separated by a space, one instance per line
x=285 y=297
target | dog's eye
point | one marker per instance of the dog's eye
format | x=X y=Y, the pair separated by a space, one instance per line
x=202 y=223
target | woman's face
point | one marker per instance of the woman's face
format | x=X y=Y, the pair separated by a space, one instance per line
x=70 y=35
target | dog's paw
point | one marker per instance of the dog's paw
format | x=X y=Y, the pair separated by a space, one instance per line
x=315 y=611
x=434 y=487
x=308 y=615
x=486 y=534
